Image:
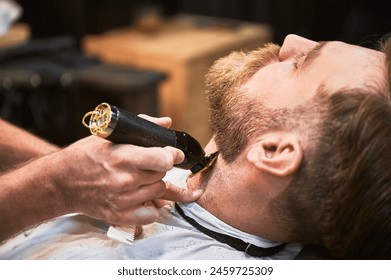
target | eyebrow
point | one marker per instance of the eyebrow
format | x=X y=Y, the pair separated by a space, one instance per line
x=314 y=53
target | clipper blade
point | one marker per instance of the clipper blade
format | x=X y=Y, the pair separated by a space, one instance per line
x=207 y=162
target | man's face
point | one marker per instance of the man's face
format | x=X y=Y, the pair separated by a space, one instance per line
x=303 y=66
x=282 y=79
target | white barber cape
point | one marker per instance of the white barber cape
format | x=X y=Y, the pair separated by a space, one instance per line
x=171 y=238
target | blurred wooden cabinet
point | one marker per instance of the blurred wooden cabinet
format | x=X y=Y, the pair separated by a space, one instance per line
x=183 y=47
x=18 y=34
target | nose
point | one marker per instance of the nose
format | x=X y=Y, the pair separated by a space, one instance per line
x=294 y=44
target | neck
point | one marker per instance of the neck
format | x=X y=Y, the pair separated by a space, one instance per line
x=234 y=195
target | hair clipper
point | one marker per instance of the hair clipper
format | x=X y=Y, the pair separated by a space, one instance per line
x=120 y=126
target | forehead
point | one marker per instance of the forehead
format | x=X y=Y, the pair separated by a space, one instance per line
x=346 y=65
x=362 y=55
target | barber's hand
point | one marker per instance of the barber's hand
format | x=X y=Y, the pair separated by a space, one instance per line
x=112 y=182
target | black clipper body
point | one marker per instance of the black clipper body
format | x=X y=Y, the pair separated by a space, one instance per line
x=120 y=126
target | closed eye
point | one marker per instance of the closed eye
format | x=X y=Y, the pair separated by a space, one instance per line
x=296 y=59
x=309 y=57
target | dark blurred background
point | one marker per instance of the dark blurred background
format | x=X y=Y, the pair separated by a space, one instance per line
x=48 y=103
x=354 y=21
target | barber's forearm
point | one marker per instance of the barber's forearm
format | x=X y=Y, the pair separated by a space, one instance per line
x=28 y=197
x=18 y=146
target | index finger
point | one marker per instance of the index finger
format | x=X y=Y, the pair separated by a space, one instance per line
x=162 y=121
x=150 y=158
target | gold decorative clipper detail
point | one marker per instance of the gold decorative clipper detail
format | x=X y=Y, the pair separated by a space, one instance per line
x=99 y=119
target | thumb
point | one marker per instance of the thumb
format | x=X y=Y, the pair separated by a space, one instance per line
x=178 y=194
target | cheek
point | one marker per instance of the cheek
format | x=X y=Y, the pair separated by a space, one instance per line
x=288 y=92
x=273 y=86
x=230 y=127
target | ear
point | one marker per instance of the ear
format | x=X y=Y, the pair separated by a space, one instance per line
x=278 y=153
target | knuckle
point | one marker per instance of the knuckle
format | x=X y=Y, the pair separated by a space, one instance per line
x=125 y=181
x=159 y=175
x=160 y=188
x=168 y=161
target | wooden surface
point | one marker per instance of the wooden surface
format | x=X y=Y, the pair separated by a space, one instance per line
x=183 y=47
x=18 y=34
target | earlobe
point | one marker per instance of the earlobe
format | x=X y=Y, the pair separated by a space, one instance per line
x=277 y=153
